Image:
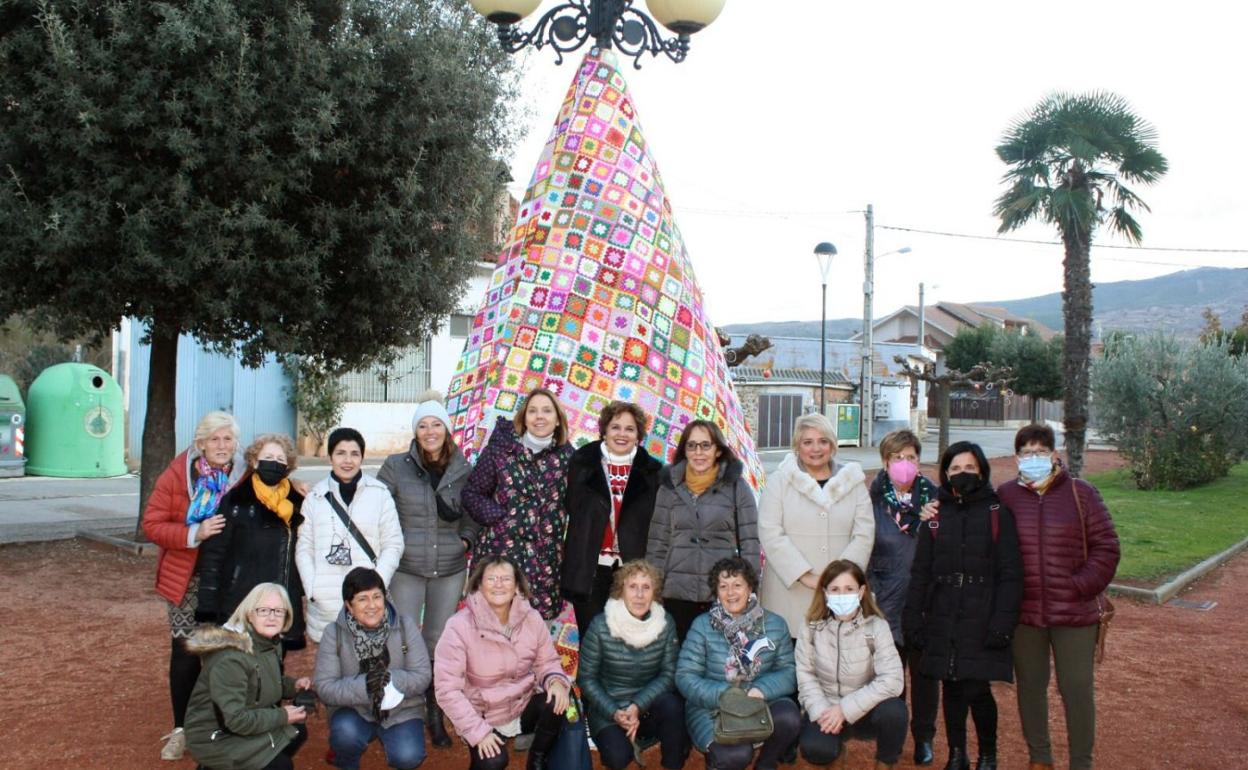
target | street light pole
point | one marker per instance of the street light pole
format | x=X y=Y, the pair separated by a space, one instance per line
x=868 y=292
x=823 y=254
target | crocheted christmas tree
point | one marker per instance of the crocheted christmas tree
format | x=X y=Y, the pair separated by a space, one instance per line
x=594 y=296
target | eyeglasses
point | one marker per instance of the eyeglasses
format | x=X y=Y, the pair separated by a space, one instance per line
x=700 y=446
x=270 y=612
x=1029 y=455
x=499 y=580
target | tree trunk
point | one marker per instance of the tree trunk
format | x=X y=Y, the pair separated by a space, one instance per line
x=944 y=394
x=158 y=426
x=1077 y=316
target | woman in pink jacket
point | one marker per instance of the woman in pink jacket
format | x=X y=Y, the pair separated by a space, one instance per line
x=496 y=672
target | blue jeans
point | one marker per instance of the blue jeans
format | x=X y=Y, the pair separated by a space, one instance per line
x=350 y=734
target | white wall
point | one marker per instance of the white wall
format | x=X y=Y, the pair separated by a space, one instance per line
x=445 y=350
x=387 y=428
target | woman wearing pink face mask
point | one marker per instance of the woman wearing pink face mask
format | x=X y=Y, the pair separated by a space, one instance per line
x=898 y=495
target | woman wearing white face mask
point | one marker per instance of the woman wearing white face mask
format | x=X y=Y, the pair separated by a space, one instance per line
x=849 y=675
x=898 y=495
x=1067 y=562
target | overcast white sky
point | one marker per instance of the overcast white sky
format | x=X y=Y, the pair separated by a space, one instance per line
x=790 y=114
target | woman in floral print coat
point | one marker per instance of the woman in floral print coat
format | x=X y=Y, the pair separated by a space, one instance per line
x=516 y=493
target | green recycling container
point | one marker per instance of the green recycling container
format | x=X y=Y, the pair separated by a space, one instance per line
x=76 y=418
x=12 y=429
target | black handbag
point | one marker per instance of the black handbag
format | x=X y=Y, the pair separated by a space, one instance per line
x=742 y=718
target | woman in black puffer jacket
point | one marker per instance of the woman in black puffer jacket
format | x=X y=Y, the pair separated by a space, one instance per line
x=966 y=586
x=257 y=545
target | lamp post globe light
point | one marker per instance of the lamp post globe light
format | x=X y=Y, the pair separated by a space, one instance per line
x=611 y=24
x=823 y=254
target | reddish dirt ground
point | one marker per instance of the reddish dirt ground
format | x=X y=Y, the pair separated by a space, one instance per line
x=84 y=651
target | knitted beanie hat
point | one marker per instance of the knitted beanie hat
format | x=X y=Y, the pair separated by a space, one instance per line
x=431 y=406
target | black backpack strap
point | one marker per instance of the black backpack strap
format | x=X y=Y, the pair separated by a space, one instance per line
x=350 y=525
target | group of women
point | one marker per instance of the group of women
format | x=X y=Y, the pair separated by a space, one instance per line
x=663 y=567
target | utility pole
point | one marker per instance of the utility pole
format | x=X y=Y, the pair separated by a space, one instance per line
x=868 y=295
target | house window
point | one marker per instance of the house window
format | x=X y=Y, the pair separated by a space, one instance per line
x=460 y=325
x=402 y=381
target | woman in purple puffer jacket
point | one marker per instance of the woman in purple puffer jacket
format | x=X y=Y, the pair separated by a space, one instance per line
x=1070 y=553
x=516 y=492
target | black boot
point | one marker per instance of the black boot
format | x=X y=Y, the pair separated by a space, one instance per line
x=958 y=759
x=537 y=760
x=437 y=727
x=987 y=761
x=923 y=753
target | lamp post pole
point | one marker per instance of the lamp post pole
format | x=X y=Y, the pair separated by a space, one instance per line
x=823 y=254
x=868 y=291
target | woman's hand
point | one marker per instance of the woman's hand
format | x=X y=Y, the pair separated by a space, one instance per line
x=809 y=579
x=209 y=527
x=295 y=714
x=832 y=720
x=754 y=692
x=303 y=683
x=557 y=691
x=629 y=719
x=300 y=486
x=489 y=746
x=930 y=510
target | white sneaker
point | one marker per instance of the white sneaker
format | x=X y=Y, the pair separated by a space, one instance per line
x=175 y=745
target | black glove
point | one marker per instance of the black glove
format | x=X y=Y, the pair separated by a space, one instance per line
x=997 y=640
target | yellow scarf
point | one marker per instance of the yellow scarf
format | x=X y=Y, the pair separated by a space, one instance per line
x=274 y=498
x=700 y=482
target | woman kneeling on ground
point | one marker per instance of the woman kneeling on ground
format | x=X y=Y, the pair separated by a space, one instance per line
x=372 y=670
x=496 y=672
x=849 y=673
x=235 y=720
x=738 y=642
x=628 y=672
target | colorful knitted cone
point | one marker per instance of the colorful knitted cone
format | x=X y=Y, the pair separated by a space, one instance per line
x=594 y=296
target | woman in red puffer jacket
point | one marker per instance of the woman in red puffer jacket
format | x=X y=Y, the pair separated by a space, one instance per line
x=1070 y=553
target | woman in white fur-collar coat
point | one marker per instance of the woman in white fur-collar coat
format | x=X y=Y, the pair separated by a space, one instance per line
x=812 y=511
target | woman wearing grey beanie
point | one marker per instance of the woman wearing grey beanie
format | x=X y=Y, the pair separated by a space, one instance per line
x=426 y=482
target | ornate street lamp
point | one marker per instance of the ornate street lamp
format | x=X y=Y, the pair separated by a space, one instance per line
x=824 y=253
x=611 y=23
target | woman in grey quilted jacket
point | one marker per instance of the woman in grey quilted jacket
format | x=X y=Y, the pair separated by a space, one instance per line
x=849 y=673
x=628 y=672
x=704 y=511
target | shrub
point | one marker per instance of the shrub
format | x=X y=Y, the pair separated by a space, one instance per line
x=1178 y=412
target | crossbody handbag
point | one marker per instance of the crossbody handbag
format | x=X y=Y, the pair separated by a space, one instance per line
x=1104 y=607
x=350 y=525
x=742 y=718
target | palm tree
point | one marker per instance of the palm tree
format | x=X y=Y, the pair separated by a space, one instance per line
x=1069 y=158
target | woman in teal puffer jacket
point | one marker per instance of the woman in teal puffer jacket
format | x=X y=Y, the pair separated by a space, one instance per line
x=628 y=672
x=759 y=659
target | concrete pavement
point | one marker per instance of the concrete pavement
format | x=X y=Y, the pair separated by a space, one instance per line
x=39 y=508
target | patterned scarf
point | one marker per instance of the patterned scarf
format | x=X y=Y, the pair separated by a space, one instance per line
x=274 y=498
x=211 y=483
x=374 y=655
x=747 y=638
x=906 y=515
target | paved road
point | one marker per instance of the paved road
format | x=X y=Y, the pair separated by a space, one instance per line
x=39 y=508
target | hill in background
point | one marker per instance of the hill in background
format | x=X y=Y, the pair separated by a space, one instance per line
x=1172 y=303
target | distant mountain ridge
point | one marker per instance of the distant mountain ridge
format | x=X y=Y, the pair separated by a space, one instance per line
x=1172 y=302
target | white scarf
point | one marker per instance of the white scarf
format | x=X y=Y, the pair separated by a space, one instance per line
x=615 y=459
x=535 y=444
x=635 y=632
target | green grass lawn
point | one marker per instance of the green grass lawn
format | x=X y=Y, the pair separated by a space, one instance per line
x=1164 y=533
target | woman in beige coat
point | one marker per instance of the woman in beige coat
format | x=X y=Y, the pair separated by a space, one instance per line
x=813 y=511
x=849 y=673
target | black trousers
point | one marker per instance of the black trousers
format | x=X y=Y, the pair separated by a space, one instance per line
x=183 y=672
x=589 y=608
x=924 y=697
x=975 y=695
x=788 y=723
x=665 y=720
x=683 y=613
x=539 y=718
x=885 y=724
